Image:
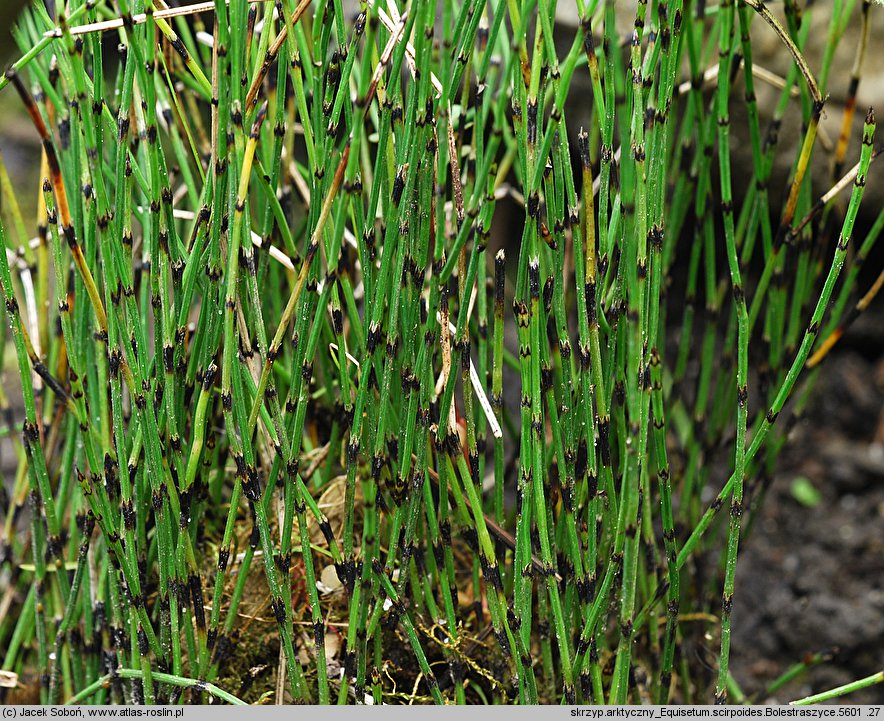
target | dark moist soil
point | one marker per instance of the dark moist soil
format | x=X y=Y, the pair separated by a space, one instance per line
x=811 y=579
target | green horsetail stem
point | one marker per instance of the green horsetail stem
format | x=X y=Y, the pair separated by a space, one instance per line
x=266 y=363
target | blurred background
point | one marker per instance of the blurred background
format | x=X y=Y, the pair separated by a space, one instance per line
x=9 y=10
